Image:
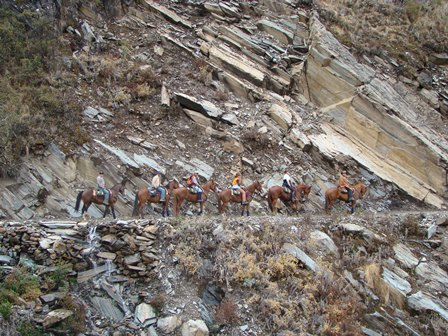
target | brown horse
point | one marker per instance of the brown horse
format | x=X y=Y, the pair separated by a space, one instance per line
x=226 y=196
x=276 y=192
x=88 y=198
x=144 y=196
x=333 y=194
x=182 y=194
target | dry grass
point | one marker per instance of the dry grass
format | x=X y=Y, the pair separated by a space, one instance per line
x=285 y=297
x=227 y=312
x=406 y=32
x=385 y=292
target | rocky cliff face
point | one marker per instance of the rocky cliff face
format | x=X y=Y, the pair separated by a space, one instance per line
x=225 y=87
x=363 y=275
x=219 y=87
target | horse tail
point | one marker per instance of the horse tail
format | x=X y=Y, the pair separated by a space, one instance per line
x=327 y=200
x=270 y=201
x=175 y=201
x=78 y=201
x=219 y=203
x=134 y=211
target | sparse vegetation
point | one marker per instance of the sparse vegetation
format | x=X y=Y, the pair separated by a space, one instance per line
x=405 y=30
x=283 y=294
x=27 y=98
x=158 y=303
x=75 y=324
x=5 y=309
x=256 y=140
x=58 y=277
x=227 y=312
x=29 y=329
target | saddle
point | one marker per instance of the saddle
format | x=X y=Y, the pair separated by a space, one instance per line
x=235 y=192
x=343 y=190
x=153 y=192
x=192 y=190
x=286 y=190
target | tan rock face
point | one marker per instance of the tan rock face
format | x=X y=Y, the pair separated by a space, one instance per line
x=371 y=122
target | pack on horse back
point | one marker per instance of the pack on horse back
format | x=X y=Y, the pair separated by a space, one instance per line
x=153 y=192
x=98 y=192
x=286 y=190
x=343 y=190
x=235 y=192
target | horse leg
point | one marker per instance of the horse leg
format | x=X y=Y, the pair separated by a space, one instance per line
x=201 y=207
x=106 y=210
x=247 y=209
x=141 y=207
x=274 y=206
x=85 y=207
x=242 y=210
x=113 y=211
x=163 y=209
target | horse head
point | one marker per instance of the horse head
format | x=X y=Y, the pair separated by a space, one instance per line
x=362 y=189
x=174 y=184
x=304 y=191
x=213 y=185
x=258 y=186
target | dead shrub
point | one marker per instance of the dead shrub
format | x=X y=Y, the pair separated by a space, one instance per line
x=146 y=75
x=227 y=312
x=143 y=91
x=410 y=226
x=77 y=322
x=109 y=70
x=158 y=302
x=282 y=266
x=122 y=97
x=221 y=94
x=385 y=292
x=256 y=140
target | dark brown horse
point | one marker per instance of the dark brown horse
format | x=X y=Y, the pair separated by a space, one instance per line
x=182 y=194
x=276 y=192
x=333 y=194
x=144 y=196
x=226 y=196
x=88 y=198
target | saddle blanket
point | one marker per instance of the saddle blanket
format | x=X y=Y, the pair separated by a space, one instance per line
x=192 y=190
x=236 y=192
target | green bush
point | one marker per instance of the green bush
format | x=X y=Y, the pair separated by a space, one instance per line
x=6 y=309
x=27 y=99
x=29 y=329
x=58 y=277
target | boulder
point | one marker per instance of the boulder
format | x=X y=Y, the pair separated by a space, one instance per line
x=324 y=242
x=204 y=107
x=302 y=256
x=281 y=115
x=405 y=256
x=194 y=328
x=56 y=316
x=423 y=302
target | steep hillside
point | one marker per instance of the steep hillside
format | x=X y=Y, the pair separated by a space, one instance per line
x=221 y=88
